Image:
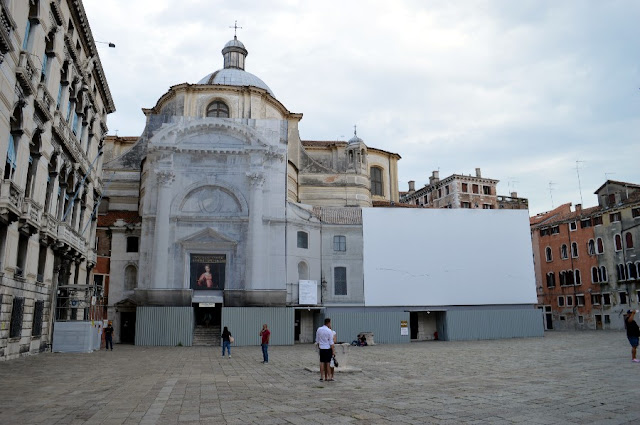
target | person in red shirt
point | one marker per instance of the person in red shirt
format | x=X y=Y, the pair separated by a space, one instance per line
x=265 y=334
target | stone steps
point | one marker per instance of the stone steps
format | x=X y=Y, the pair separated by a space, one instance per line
x=207 y=336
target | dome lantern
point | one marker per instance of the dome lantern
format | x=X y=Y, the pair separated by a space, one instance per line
x=234 y=54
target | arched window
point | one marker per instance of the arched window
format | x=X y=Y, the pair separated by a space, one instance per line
x=551 y=280
x=604 y=277
x=218 y=109
x=628 y=237
x=631 y=271
x=600 y=246
x=591 y=247
x=303 y=271
x=563 y=278
x=620 y=270
x=130 y=277
x=574 y=249
x=578 y=278
x=595 y=275
x=376 y=181
x=618 y=242
x=563 y=252
x=548 y=253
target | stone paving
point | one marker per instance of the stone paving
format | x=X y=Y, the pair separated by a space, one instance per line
x=563 y=378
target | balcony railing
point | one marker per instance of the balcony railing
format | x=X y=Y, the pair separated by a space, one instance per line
x=31 y=212
x=10 y=200
x=71 y=238
x=25 y=72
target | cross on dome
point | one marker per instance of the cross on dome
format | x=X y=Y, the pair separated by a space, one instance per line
x=235 y=29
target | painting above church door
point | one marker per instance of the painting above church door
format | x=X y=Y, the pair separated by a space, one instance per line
x=207 y=271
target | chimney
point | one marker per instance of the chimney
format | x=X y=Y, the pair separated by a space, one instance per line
x=412 y=186
x=478 y=173
x=578 y=207
x=435 y=177
x=514 y=194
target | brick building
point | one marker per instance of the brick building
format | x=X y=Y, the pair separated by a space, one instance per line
x=585 y=261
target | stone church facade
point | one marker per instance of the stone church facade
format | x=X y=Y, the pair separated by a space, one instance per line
x=219 y=214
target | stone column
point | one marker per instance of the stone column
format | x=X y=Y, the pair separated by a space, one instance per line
x=256 y=253
x=162 y=226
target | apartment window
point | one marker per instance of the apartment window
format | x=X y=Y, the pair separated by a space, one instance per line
x=580 y=319
x=580 y=300
x=568 y=277
x=439 y=193
x=132 y=244
x=555 y=230
x=595 y=275
x=10 y=167
x=618 y=242
x=487 y=206
x=604 y=277
x=607 y=319
x=569 y=300
x=611 y=199
x=623 y=298
x=577 y=277
x=38 y=311
x=614 y=217
x=340 y=280
x=545 y=232
x=45 y=67
x=591 y=247
x=42 y=262
x=632 y=271
x=596 y=299
x=465 y=205
x=585 y=223
x=23 y=243
x=563 y=252
x=563 y=278
x=574 y=249
x=59 y=99
x=560 y=301
x=606 y=299
x=340 y=243
x=474 y=188
x=218 y=110
x=620 y=272
x=17 y=313
x=573 y=226
x=635 y=212
x=628 y=239
x=597 y=220
x=376 y=181
x=486 y=190
x=551 y=280
x=303 y=240
x=27 y=35
x=465 y=187
x=446 y=190
x=600 y=246
x=548 y=254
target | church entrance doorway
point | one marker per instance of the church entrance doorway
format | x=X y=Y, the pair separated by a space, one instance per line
x=207 y=318
x=128 y=327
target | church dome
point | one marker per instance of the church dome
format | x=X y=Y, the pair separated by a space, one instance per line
x=355 y=139
x=233 y=73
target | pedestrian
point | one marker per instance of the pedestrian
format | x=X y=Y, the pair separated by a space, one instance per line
x=324 y=340
x=226 y=341
x=332 y=364
x=108 y=335
x=265 y=334
x=633 y=333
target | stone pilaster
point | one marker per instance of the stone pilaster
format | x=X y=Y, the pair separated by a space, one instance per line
x=162 y=226
x=255 y=243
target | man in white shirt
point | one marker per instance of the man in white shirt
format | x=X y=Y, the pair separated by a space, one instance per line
x=324 y=340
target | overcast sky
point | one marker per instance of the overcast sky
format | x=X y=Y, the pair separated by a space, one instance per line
x=521 y=89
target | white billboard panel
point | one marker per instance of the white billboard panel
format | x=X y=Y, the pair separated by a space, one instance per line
x=440 y=257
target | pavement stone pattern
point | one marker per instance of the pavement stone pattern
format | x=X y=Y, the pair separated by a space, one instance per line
x=562 y=378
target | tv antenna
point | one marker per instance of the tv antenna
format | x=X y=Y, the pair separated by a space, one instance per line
x=551 y=184
x=578 y=162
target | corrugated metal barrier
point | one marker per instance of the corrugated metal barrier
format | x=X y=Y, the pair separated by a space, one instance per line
x=493 y=324
x=245 y=324
x=164 y=326
x=385 y=325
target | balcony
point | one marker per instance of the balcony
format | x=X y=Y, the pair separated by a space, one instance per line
x=30 y=218
x=44 y=102
x=48 y=227
x=62 y=130
x=6 y=26
x=92 y=258
x=26 y=72
x=70 y=238
x=10 y=201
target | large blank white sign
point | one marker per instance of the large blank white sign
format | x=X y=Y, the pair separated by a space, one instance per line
x=443 y=257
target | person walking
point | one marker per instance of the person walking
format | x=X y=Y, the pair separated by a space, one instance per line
x=324 y=340
x=266 y=335
x=226 y=341
x=108 y=336
x=633 y=333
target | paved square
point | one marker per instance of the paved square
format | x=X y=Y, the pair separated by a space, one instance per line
x=565 y=377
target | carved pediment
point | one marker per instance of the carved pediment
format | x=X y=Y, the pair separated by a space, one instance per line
x=207 y=236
